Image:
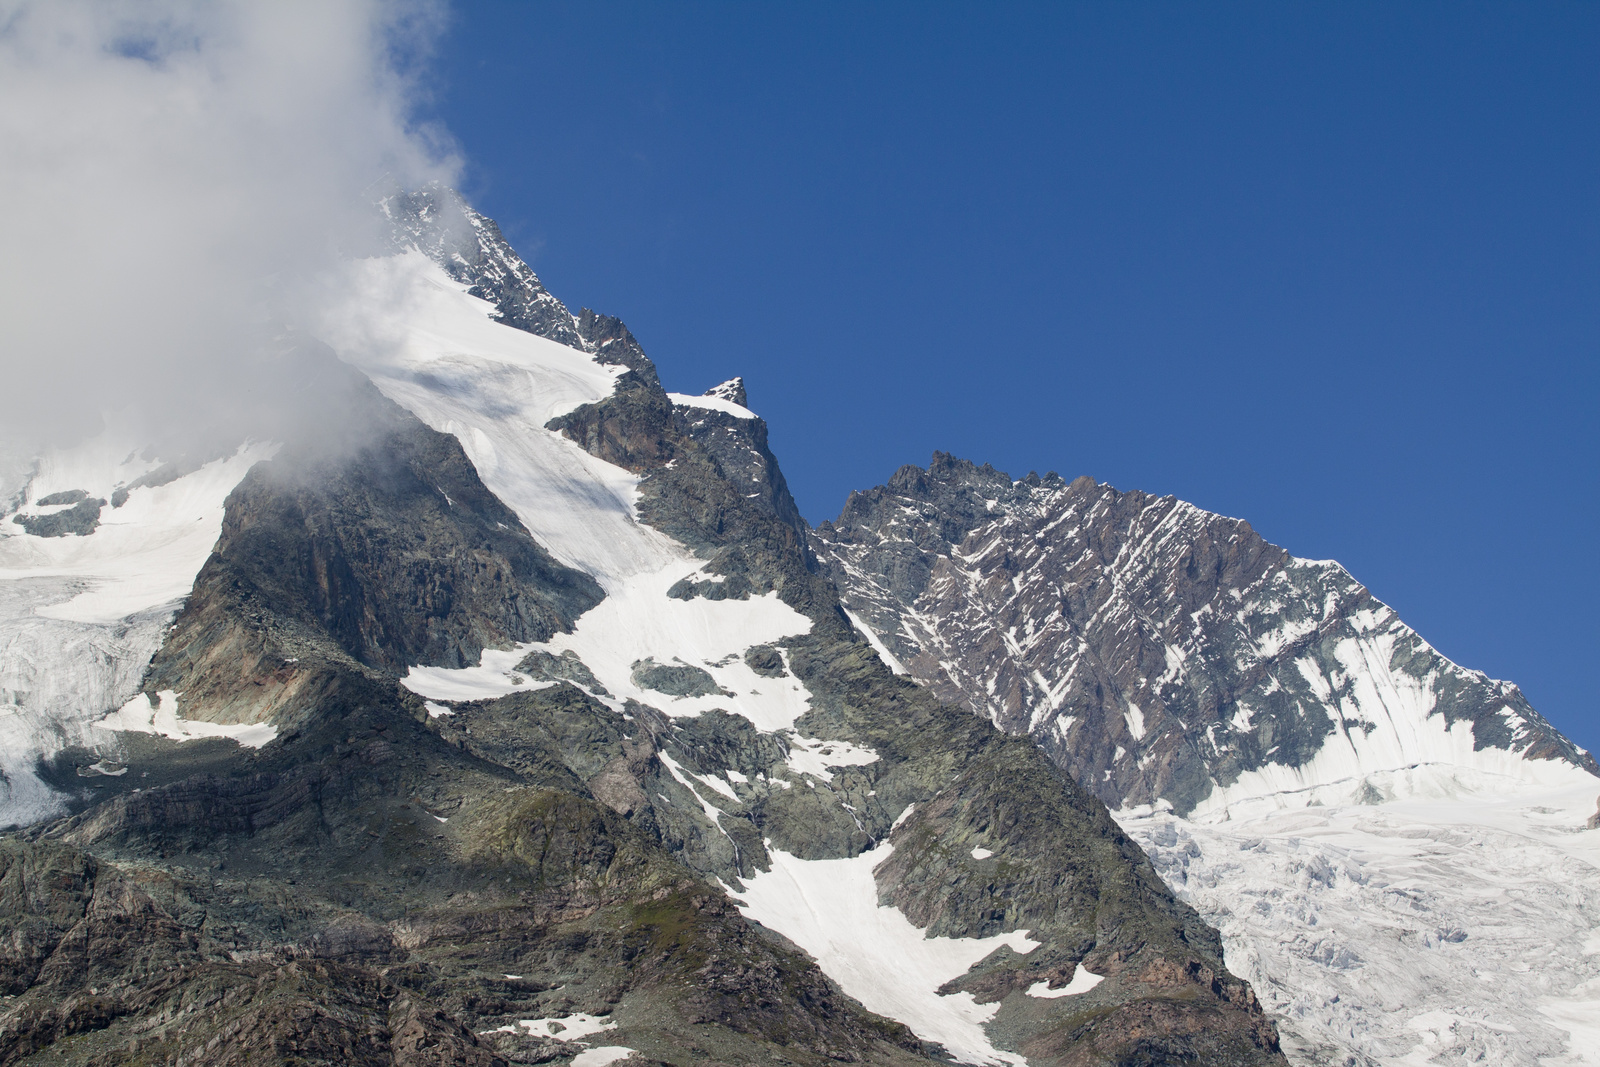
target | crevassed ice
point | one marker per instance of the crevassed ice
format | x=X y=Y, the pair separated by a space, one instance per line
x=1462 y=929
x=80 y=617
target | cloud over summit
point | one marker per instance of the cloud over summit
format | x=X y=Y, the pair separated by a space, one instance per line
x=173 y=169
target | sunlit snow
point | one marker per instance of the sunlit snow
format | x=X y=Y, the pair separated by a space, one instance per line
x=572 y=1027
x=138 y=716
x=1083 y=980
x=712 y=403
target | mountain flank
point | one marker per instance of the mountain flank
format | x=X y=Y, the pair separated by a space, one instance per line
x=446 y=821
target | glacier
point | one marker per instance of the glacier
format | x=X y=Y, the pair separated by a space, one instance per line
x=80 y=616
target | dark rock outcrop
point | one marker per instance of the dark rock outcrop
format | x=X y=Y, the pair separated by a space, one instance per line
x=80 y=520
x=376 y=552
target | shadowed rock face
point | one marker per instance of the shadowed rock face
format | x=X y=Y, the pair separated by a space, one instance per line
x=386 y=885
x=1154 y=650
x=374 y=553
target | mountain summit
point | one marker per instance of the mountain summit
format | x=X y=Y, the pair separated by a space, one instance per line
x=507 y=716
x=1159 y=652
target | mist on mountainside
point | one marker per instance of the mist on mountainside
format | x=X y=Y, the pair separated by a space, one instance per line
x=181 y=177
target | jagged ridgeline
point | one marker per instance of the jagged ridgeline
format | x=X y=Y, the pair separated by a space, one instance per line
x=524 y=727
x=1158 y=652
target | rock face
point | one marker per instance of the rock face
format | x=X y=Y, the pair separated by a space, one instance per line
x=374 y=553
x=487 y=832
x=80 y=519
x=1159 y=652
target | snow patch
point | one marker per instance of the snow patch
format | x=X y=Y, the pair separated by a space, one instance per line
x=138 y=716
x=830 y=908
x=1083 y=980
x=711 y=403
x=1134 y=717
x=572 y=1027
x=813 y=756
x=601 y=1055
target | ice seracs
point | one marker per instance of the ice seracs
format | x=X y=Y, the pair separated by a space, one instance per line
x=1456 y=929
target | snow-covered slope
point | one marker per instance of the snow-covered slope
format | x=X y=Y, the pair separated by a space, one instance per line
x=437 y=351
x=1394 y=847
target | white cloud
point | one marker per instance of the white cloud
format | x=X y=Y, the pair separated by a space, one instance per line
x=164 y=165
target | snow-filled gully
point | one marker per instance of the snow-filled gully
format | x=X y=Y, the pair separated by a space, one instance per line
x=830 y=908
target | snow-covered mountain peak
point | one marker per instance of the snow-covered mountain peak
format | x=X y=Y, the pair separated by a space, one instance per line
x=731 y=390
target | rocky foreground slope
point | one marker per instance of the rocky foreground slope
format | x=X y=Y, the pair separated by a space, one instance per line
x=507 y=718
x=1398 y=851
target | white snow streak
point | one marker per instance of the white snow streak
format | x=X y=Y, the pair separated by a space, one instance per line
x=876 y=642
x=711 y=403
x=830 y=908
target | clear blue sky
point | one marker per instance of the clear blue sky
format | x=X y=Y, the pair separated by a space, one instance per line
x=1332 y=268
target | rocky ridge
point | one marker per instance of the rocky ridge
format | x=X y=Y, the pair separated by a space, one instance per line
x=1156 y=651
